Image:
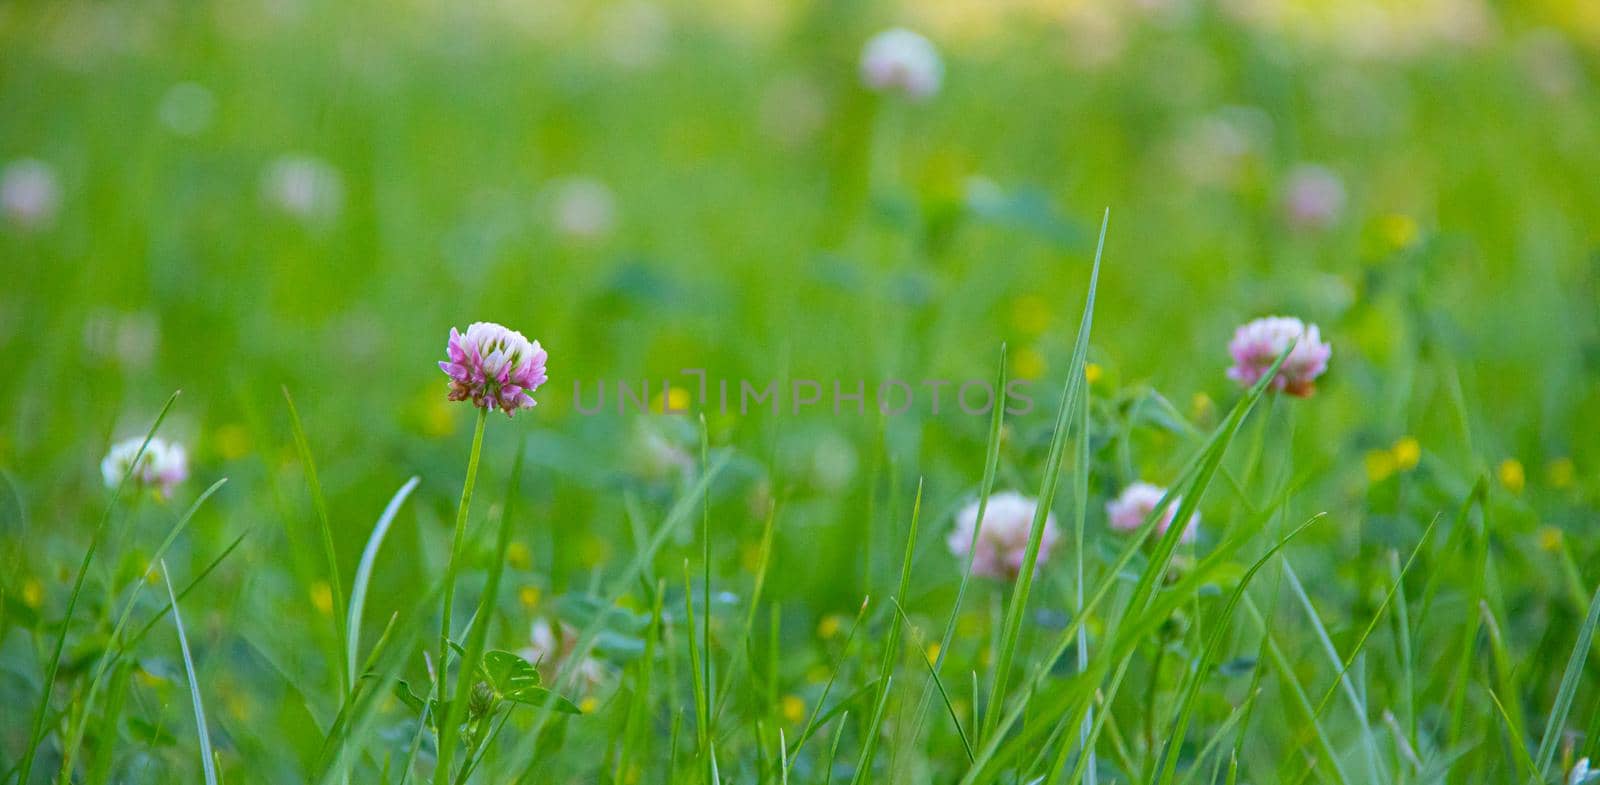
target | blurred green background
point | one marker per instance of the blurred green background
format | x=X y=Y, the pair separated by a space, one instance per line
x=238 y=196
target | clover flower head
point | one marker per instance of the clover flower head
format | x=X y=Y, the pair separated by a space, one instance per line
x=1003 y=538
x=1134 y=504
x=1313 y=197
x=1256 y=346
x=29 y=193
x=551 y=646
x=901 y=61
x=304 y=187
x=494 y=367
x=582 y=208
x=162 y=467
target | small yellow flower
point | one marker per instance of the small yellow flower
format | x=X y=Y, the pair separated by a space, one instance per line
x=519 y=555
x=817 y=674
x=793 y=708
x=32 y=593
x=1030 y=314
x=1398 y=230
x=933 y=652
x=1092 y=372
x=750 y=556
x=589 y=704
x=1380 y=464
x=322 y=597
x=1512 y=476
x=1407 y=453
x=1200 y=406
x=592 y=551
x=528 y=596
x=1560 y=473
x=147 y=678
x=1550 y=538
x=438 y=417
x=233 y=441
x=1029 y=364
x=676 y=400
x=829 y=626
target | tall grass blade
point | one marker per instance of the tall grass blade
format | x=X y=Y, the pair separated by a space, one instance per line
x=1017 y=606
x=1569 y=688
x=36 y=733
x=69 y=753
x=369 y=557
x=320 y=504
x=207 y=756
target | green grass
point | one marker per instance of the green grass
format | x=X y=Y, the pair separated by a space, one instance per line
x=1394 y=580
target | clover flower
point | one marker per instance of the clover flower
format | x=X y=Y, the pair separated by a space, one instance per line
x=582 y=208
x=1313 y=197
x=1257 y=345
x=304 y=187
x=1003 y=537
x=1134 y=504
x=900 y=61
x=494 y=367
x=550 y=647
x=162 y=466
x=29 y=193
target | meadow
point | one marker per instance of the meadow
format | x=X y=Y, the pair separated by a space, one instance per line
x=939 y=442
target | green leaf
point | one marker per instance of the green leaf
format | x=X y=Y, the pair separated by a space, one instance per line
x=507 y=673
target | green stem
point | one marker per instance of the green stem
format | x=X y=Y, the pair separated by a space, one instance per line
x=441 y=774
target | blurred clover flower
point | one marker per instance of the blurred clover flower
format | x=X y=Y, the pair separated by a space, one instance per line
x=1134 y=504
x=549 y=649
x=494 y=367
x=162 y=467
x=1313 y=197
x=30 y=195
x=304 y=187
x=1003 y=538
x=1256 y=346
x=900 y=61
x=582 y=208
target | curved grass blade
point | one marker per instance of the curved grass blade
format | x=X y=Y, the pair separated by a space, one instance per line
x=1568 y=690
x=320 y=504
x=69 y=753
x=1202 y=669
x=369 y=556
x=207 y=756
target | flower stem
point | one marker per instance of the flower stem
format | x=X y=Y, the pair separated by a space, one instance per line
x=446 y=738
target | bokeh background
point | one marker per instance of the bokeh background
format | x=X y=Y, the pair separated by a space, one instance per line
x=240 y=196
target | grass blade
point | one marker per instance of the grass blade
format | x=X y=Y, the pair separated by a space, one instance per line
x=36 y=734
x=1047 y=492
x=1568 y=689
x=207 y=757
x=369 y=556
x=320 y=504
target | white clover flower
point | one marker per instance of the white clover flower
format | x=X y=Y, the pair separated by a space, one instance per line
x=1135 y=503
x=1003 y=539
x=304 y=187
x=549 y=648
x=1313 y=197
x=582 y=208
x=900 y=61
x=30 y=194
x=162 y=467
